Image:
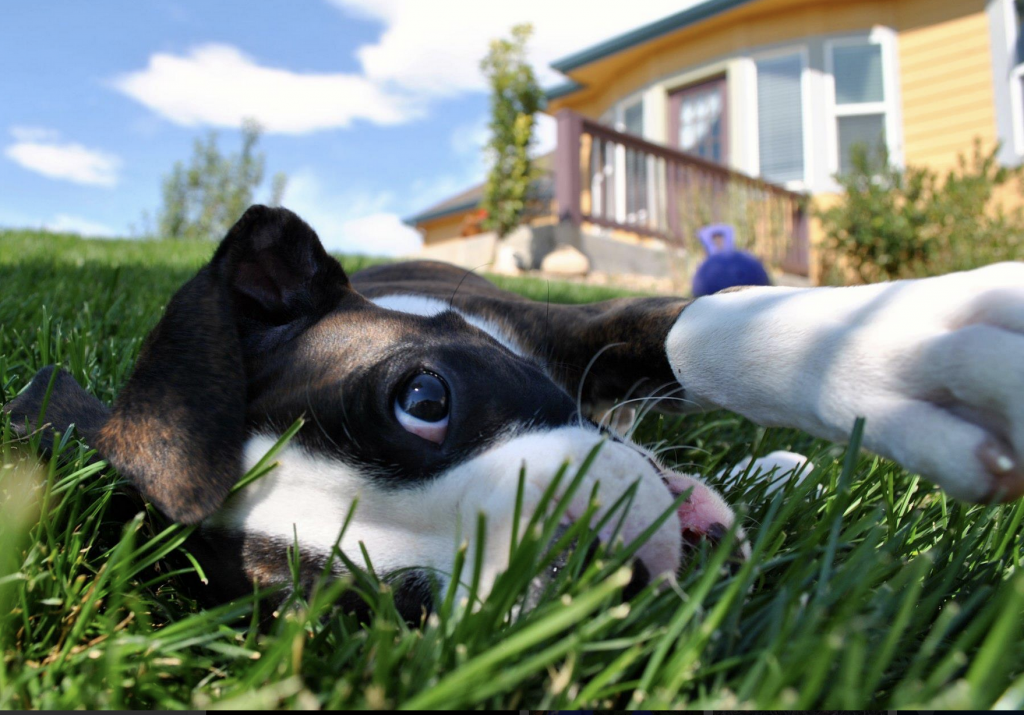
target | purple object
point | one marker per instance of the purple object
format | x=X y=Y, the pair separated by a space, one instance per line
x=725 y=267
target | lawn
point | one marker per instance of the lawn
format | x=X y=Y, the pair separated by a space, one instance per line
x=868 y=588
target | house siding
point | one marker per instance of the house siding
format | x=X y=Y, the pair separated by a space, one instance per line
x=946 y=77
x=442 y=229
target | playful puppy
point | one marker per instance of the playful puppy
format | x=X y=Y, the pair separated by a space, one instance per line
x=426 y=390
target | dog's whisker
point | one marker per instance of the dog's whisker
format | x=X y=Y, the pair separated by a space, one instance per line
x=650 y=403
x=469 y=272
x=653 y=398
x=647 y=404
x=583 y=379
x=613 y=410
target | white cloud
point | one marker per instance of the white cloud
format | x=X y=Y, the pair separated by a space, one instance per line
x=40 y=151
x=351 y=222
x=382 y=234
x=34 y=134
x=219 y=85
x=435 y=48
x=427 y=50
x=63 y=223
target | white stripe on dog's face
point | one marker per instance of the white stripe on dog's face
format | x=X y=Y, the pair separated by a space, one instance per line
x=424 y=524
x=427 y=306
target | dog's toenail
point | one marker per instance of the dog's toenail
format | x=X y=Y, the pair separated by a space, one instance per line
x=996 y=458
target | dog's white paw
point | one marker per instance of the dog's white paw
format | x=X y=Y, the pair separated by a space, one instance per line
x=936 y=366
x=939 y=374
x=779 y=468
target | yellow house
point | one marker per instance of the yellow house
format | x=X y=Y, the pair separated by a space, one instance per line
x=742 y=111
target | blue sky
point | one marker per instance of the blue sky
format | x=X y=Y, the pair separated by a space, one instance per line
x=374 y=108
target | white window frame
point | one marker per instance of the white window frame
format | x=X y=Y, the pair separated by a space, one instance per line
x=889 y=107
x=620 y=111
x=1016 y=77
x=620 y=124
x=1017 y=107
x=621 y=215
x=805 y=104
x=615 y=115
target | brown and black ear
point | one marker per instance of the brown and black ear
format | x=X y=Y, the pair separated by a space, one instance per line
x=177 y=429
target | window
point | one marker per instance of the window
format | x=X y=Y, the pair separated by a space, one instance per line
x=861 y=101
x=619 y=179
x=635 y=186
x=633 y=119
x=698 y=120
x=780 y=125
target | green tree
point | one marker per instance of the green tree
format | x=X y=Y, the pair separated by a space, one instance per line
x=203 y=200
x=515 y=99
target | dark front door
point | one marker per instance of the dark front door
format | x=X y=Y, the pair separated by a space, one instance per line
x=698 y=120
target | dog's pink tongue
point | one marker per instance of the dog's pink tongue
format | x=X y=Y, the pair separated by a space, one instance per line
x=704 y=514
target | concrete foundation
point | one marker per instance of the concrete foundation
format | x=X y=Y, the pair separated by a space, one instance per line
x=530 y=244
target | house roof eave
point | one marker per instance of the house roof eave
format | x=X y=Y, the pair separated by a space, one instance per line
x=441 y=213
x=651 y=31
x=563 y=90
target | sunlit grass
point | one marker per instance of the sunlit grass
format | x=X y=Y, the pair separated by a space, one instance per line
x=867 y=587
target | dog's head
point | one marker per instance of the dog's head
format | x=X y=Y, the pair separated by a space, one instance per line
x=427 y=421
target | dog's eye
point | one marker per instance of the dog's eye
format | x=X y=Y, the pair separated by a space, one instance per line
x=422 y=407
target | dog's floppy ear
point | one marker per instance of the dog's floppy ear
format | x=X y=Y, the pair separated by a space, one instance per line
x=177 y=429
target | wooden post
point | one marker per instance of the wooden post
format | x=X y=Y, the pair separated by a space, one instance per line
x=797 y=258
x=672 y=199
x=567 y=167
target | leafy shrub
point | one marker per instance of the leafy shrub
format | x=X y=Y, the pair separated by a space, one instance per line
x=902 y=223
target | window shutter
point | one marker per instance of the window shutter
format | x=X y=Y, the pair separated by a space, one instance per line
x=780 y=120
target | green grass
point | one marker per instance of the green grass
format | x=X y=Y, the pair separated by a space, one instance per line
x=877 y=593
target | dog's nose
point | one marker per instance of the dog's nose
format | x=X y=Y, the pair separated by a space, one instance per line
x=714 y=535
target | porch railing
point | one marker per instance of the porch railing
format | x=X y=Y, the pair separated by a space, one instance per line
x=622 y=182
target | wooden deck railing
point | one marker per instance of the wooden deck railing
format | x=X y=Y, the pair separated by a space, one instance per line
x=622 y=182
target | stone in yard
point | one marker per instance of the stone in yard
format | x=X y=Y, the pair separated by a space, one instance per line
x=566 y=261
x=507 y=262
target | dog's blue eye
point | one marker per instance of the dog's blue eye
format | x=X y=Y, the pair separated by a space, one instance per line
x=422 y=407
